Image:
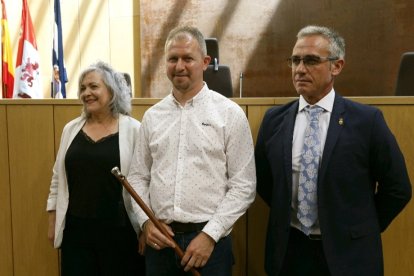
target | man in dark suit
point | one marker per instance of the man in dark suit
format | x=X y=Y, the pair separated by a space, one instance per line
x=332 y=185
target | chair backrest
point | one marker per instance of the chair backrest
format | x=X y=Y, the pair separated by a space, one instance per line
x=128 y=81
x=212 y=49
x=405 y=79
x=219 y=80
x=217 y=76
x=127 y=78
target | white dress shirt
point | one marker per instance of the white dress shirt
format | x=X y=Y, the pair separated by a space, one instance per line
x=301 y=123
x=195 y=163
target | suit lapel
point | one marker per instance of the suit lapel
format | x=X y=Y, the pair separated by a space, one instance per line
x=334 y=130
x=288 y=126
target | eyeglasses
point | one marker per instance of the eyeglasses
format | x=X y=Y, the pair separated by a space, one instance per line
x=309 y=60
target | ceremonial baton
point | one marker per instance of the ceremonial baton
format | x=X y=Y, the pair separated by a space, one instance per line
x=115 y=171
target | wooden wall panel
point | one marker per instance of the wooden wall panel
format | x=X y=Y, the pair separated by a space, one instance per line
x=258 y=212
x=255 y=115
x=398 y=239
x=256 y=234
x=138 y=112
x=31 y=149
x=6 y=246
x=140 y=106
x=30 y=134
x=239 y=239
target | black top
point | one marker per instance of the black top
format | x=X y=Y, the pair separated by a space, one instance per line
x=94 y=193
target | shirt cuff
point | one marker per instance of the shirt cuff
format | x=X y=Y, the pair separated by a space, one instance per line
x=51 y=205
x=214 y=230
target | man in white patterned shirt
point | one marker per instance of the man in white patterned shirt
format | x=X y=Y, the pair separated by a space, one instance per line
x=193 y=166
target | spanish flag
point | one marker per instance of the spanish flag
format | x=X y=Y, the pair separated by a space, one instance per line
x=6 y=57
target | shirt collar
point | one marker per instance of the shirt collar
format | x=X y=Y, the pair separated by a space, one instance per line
x=198 y=98
x=326 y=102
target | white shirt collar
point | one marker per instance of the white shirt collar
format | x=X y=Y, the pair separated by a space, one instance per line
x=197 y=98
x=326 y=102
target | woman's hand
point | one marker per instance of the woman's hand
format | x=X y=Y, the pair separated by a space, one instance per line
x=51 y=228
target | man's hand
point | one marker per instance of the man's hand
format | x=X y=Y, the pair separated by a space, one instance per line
x=198 y=251
x=155 y=238
x=141 y=243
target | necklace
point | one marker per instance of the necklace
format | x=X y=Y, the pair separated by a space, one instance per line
x=97 y=129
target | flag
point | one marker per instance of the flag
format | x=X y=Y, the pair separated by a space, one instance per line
x=59 y=77
x=6 y=57
x=27 y=78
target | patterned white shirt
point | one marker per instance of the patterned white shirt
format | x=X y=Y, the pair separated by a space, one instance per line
x=195 y=163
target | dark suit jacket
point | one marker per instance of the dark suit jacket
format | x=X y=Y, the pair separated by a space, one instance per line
x=362 y=185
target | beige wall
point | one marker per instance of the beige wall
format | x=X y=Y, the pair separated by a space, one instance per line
x=256 y=37
x=29 y=138
x=93 y=30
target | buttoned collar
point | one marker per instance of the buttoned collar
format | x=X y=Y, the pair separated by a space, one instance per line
x=326 y=102
x=197 y=99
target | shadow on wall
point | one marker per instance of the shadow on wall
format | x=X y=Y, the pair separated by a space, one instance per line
x=371 y=65
x=154 y=58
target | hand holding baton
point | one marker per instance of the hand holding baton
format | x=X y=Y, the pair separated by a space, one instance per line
x=115 y=171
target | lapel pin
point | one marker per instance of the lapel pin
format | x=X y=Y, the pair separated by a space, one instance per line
x=341 y=121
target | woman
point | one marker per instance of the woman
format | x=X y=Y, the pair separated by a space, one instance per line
x=90 y=215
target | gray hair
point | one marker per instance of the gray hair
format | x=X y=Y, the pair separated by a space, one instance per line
x=336 y=42
x=181 y=32
x=117 y=87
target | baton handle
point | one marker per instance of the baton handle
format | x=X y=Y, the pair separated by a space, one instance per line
x=115 y=171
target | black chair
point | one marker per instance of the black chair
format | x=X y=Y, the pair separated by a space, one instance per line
x=127 y=78
x=217 y=76
x=405 y=79
x=212 y=49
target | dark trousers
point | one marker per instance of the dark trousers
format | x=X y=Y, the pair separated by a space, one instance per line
x=304 y=257
x=166 y=263
x=92 y=249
